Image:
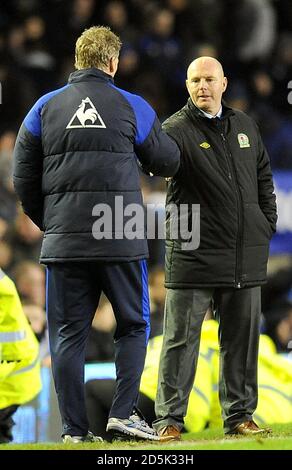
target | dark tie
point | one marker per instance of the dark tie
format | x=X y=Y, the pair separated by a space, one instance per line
x=216 y=121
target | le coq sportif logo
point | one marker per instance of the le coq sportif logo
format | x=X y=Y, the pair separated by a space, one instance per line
x=86 y=116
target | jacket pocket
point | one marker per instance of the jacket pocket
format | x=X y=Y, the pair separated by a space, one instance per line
x=257 y=230
x=266 y=223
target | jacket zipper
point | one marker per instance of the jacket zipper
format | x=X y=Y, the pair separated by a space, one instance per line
x=239 y=243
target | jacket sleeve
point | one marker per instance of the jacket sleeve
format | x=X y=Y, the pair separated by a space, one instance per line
x=267 y=198
x=156 y=151
x=27 y=173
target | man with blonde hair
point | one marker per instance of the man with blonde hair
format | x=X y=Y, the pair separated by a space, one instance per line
x=76 y=158
x=96 y=47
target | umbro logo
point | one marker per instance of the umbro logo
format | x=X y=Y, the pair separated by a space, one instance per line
x=205 y=145
x=86 y=116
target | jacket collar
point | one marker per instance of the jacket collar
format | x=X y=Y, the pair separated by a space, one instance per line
x=85 y=75
x=226 y=111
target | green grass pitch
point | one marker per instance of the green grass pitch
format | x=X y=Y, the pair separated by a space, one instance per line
x=280 y=439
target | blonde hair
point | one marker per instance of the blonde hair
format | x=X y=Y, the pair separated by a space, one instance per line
x=95 y=47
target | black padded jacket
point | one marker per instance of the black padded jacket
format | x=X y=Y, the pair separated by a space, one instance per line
x=225 y=170
x=77 y=155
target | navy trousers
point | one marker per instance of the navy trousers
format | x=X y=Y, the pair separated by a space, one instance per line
x=73 y=293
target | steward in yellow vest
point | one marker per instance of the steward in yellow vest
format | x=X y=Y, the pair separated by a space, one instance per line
x=20 y=379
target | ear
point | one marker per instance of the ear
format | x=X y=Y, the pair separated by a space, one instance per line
x=113 y=65
x=187 y=85
x=225 y=83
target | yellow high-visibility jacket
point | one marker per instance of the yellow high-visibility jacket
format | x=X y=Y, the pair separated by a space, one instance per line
x=274 y=378
x=275 y=385
x=20 y=379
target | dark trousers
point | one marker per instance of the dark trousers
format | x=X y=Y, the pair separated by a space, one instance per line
x=73 y=292
x=238 y=312
x=7 y=423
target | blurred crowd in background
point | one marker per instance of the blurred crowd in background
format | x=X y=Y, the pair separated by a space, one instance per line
x=252 y=39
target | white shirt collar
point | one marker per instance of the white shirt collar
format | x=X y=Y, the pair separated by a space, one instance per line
x=210 y=116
